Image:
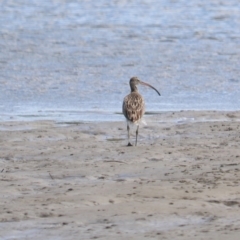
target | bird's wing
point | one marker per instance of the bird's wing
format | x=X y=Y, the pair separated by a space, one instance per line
x=133 y=107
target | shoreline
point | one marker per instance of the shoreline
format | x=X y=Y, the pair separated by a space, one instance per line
x=94 y=116
x=63 y=180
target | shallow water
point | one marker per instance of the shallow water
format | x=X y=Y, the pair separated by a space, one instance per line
x=73 y=59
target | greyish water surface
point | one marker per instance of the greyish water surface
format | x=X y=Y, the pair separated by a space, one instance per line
x=64 y=59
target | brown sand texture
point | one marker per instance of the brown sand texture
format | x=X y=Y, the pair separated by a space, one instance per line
x=79 y=180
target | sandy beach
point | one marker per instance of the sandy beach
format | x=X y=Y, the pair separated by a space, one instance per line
x=79 y=180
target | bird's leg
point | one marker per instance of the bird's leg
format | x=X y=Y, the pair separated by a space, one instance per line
x=136 y=135
x=128 y=129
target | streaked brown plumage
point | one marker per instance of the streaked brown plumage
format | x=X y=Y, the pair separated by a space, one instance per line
x=134 y=106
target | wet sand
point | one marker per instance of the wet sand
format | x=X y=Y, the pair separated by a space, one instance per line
x=80 y=181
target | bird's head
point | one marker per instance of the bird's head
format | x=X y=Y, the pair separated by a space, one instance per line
x=135 y=81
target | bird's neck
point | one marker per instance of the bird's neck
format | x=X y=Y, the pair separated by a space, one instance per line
x=134 y=88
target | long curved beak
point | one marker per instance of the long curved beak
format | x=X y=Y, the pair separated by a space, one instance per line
x=146 y=84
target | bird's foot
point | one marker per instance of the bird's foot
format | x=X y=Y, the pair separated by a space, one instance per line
x=129 y=144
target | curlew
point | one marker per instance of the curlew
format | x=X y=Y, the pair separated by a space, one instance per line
x=133 y=106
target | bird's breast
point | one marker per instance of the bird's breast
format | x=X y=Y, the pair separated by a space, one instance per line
x=133 y=107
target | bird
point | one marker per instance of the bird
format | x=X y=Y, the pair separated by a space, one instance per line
x=133 y=106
